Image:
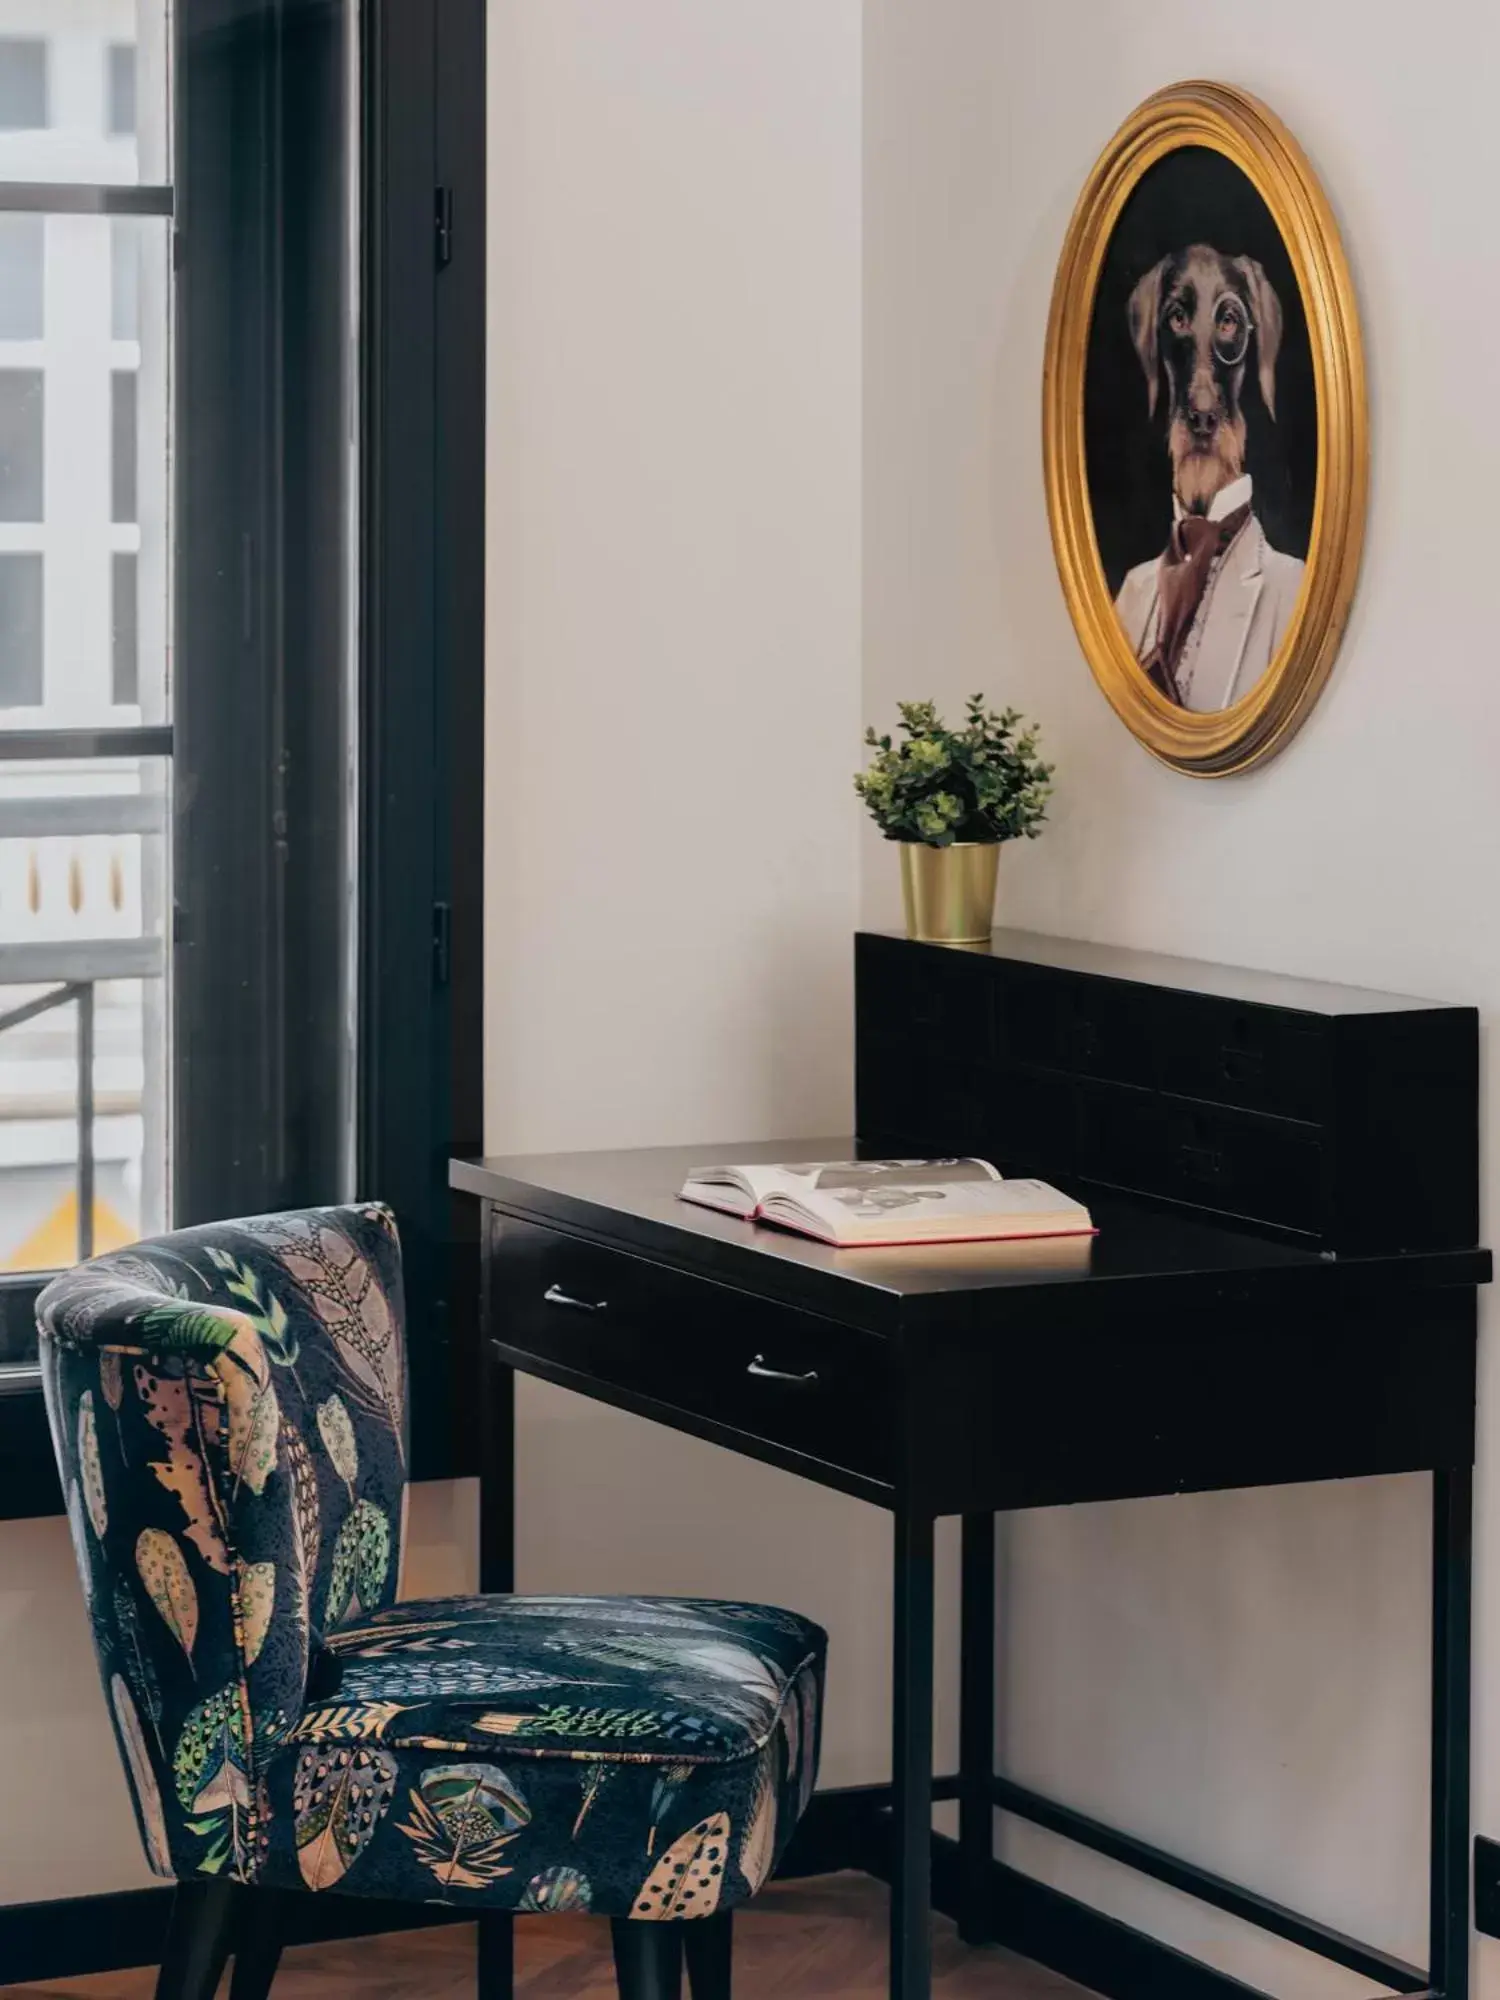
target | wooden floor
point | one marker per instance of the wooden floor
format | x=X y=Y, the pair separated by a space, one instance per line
x=798 y=1941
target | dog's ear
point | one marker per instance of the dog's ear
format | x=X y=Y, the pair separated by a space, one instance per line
x=1265 y=310
x=1144 y=309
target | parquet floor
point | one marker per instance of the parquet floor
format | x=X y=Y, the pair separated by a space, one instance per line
x=798 y=1941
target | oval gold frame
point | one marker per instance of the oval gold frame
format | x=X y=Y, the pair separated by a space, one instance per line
x=1233 y=123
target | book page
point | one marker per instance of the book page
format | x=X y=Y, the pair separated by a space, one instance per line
x=868 y=1174
x=892 y=1211
x=741 y=1190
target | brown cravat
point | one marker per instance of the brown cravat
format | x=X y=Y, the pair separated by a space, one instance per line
x=1194 y=544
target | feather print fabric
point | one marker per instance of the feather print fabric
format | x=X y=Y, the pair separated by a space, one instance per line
x=164 y=1571
x=341 y=1796
x=229 y=1407
x=143 y=1785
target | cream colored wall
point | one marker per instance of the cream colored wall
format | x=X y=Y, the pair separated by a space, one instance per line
x=1241 y=1677
x=66 y=1827
x=673 y=627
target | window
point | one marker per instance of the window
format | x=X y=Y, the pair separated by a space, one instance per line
x=22 y=249
x=85 y=533
x=23 y=84
x=122 y=445
x=120 y=86
x=217 y=897
x=125 y=665
x=124 y=279
x=20 y=631
x=20 y=444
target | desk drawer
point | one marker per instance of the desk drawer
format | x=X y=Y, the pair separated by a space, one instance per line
x=761 y=1368
x=1261 y=1058
x=1214 y=1158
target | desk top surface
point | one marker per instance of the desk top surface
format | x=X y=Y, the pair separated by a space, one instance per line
x=629 y=1200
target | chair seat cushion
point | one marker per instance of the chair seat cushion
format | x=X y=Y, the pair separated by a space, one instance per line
x=634 y=1756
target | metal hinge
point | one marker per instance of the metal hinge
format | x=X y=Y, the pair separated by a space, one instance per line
x=442 y=214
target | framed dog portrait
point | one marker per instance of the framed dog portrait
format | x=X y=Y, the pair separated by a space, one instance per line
x=1204 y=429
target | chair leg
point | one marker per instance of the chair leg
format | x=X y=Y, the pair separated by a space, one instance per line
x=199 y=1935
x=648 y=1959
x=259 y=1927
x=708 y=1945
x=496 y=1955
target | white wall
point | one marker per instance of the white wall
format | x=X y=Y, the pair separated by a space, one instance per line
x=66 y=1827
x=1240 y=1677
x=673 y=627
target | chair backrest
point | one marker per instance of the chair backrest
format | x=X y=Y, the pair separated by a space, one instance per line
x=228 y=1409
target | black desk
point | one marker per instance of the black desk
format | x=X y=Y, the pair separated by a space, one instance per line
x=1172 y=1354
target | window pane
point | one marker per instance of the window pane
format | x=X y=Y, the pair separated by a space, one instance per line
x=125 y=279
x=20 y=631
x=23 y=84
x=83 y=90
x=22 y=248
x=122 y=445
x=83 y=896
x=85 y=477
x=121 y=118
x=125 y=638
x=20 y=444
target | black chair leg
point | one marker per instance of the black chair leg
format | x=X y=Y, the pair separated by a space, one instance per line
x=258 y=1930
x=199 y=1934
x=648 y=1959
x=708 y=1945
x=497 y=1977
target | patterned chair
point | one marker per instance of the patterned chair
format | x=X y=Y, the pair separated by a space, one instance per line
x=228 y=1408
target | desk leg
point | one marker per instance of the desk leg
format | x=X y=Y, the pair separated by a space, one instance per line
x=497 y=1447
x=911 y=1760
x=497 y=1566
x=976 y=1726
x=1452 y=1530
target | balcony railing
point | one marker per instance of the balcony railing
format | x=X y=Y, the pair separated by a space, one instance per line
x=61 y=966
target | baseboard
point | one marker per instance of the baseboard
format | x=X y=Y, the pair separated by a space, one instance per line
x=1486 y=1886
x=1081 y=1943
x=67 y=1938
x=849 y=1829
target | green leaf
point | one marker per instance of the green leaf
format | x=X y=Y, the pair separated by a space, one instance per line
x=980 y=782
x=265 y=1312
x=198 y=1330
x=361 y=1560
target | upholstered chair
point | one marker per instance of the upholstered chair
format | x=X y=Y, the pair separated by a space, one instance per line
x=228 y=1408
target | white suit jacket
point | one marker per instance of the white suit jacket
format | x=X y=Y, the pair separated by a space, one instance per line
x=1239 y=626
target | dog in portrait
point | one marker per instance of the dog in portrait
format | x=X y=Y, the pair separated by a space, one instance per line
x=1206 y=616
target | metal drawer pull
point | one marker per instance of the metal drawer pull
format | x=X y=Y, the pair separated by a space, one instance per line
x=762 y=1373
x=556 y=1296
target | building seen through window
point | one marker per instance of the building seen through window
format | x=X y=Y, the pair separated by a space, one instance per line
x=84 y=639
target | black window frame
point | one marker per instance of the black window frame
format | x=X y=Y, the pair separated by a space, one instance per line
x=422 y=572
x=264 y=1130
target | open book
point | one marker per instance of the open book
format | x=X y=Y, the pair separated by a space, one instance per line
x=848 y=1202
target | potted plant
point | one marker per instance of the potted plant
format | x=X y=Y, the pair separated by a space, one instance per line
x=950 y=797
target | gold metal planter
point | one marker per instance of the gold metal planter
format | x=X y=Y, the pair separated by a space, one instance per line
x=949 y=892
